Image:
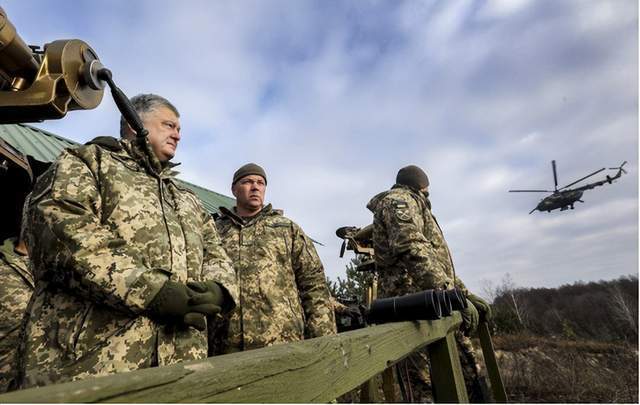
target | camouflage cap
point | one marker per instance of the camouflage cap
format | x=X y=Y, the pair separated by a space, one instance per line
x=249 y=169
x=412 y=176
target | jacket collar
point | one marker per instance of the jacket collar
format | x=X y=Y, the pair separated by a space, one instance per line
x=232 y=215
x=139 y=150
x=418 y=196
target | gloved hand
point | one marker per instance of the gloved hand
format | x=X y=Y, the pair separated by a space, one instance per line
x=195 y=319
x=209 y=292
x=470 y=318
x=177 y=302
x=483 y=307
x=172 y=301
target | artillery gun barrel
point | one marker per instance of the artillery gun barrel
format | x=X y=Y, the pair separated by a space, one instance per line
x=18 y=66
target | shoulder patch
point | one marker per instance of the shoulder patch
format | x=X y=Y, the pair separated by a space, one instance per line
x=402 y=211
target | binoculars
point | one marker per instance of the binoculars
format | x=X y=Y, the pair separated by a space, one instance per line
x=423 y=305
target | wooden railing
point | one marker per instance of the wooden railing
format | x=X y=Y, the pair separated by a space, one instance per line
x=315 y=370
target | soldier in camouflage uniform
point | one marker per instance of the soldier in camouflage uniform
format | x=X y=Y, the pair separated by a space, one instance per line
x=127 y=262
x=283 y=292
x=411 y=255
x=16 y=287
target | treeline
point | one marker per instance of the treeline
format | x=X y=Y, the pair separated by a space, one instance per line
x=602 y=310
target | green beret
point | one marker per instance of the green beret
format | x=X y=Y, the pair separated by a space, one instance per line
x=412 y=176
x=249 y=169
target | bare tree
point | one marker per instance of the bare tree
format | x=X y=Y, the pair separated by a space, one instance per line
x=509 y=288
x=489 y=290
x=624 y=311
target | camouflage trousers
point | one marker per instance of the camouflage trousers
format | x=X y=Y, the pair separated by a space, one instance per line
x=414 y=374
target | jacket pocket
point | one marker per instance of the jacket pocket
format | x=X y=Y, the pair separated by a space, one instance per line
x=297 y=315
x=70 y=323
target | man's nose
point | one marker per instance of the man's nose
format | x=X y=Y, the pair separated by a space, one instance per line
x=175 y=134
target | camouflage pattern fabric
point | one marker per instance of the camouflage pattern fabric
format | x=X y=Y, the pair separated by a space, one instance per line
x=410 y=251
x=16 y=287
x=283 y=292
x=108 y=226
x=412 y=255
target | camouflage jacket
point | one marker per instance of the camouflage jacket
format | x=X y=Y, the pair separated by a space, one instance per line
x=283 y=291
x=109 y=226
x=16 y=287
x=410 y=251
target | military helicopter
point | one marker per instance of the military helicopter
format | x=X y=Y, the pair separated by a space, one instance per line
x=565 y=197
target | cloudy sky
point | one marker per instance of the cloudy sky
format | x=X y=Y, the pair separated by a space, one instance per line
x=333 y=97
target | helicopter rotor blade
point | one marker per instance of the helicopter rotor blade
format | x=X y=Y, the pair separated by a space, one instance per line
x=531 y=191
x=555 y=174
x=585 y=177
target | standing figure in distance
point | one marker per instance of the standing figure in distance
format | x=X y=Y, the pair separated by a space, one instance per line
x=412 y=255
x=127 y=263
x=283 y=292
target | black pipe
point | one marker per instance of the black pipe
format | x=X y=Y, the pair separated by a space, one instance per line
x=427 y=304
x=124 y=105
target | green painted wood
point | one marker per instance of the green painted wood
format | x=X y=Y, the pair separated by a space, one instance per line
x=369 y=392
x=446 y=372
x=497 y=387
x=388 y=386
x=315 y=370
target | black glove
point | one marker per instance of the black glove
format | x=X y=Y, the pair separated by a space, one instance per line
x=470 y=318
x=483 y=307
x=176 y=302
x=210 y=292
x=195 y=319
x=172 y=301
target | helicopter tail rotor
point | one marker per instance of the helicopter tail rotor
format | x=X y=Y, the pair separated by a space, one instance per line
x=620 y=167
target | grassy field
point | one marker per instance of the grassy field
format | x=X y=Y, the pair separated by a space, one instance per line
x=537 y=369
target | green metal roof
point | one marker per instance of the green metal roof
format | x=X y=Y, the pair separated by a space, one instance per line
x=45 y=147
x=37 y=143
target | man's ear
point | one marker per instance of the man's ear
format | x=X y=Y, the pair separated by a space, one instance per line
x=129 y=132
x=233 y=190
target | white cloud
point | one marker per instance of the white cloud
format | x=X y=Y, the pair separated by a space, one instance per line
x=503 y=8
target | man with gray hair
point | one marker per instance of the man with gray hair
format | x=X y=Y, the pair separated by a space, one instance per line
x=127 y=263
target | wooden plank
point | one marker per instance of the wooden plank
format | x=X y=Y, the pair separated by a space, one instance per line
x=497 y=387
x=388 y=386
x=446 y=372
x=315 y=370
x=369 y=389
